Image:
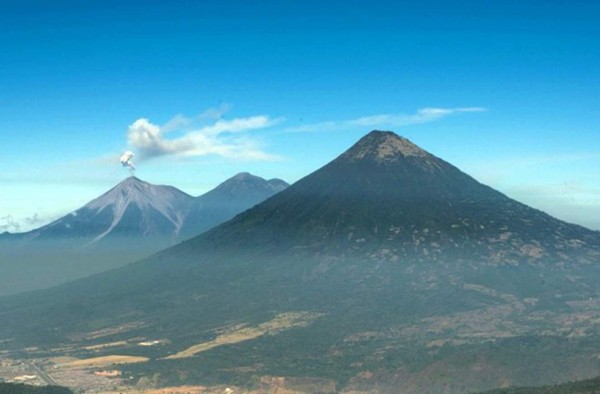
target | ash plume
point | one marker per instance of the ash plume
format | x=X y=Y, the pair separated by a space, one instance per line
x=126 y=161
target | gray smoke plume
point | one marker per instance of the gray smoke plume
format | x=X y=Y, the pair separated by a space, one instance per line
x=126 y=161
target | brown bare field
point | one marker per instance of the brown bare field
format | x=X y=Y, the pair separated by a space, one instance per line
x=105 y=345
x=62 y=359
x=107 y=331
x=180 y=390
x=281 y=322
x=104 y=361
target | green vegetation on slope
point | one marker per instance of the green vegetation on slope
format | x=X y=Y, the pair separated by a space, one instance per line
x=19 y=388
x=588 y=386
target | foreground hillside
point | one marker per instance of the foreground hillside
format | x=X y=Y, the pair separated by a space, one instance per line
x=388 y=269
x=17 y=388
x=589 y=386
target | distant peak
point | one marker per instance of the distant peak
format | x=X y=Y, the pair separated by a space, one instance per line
x=132 y=178
x=242 y=176
x=132 y=181
x=276 y=182
x=383 y=146
x=380 y=133
x=131 y=184
x=244 y=183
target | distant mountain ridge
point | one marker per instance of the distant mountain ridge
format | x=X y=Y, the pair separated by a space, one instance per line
x=229 y=198
x=385 y=193
x=133 y=208
x=131 y=220
x=387 y=270
x=138 y=209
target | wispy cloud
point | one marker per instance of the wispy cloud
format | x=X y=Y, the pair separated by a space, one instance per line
x=34 y=219
x=7 y=223
x=181 y=121
x=536 y=160
x=423 y=115
x=222 y=137
x=511 y=168
x=22 y=223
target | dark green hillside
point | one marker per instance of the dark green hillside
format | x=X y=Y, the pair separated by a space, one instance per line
x=589 y=386
x=18 y=388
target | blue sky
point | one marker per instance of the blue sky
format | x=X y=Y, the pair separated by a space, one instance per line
x=200 y=90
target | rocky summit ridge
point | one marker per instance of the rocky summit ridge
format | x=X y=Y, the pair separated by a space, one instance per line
x=382 y=146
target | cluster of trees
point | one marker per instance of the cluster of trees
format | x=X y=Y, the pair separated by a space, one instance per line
x=589 y=386
x=20 y=388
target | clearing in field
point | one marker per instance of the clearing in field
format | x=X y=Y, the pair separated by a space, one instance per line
x=178 y=390
x=105 y=345
x=104 y=361
x=283 y=321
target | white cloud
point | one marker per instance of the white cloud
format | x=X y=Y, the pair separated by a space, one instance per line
x=505 y=163
x=150 y=140
x=240 y=125
x=180 y=121
x=183 y=136
x=177 y=122
x=215 y=113
x=423 y=115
